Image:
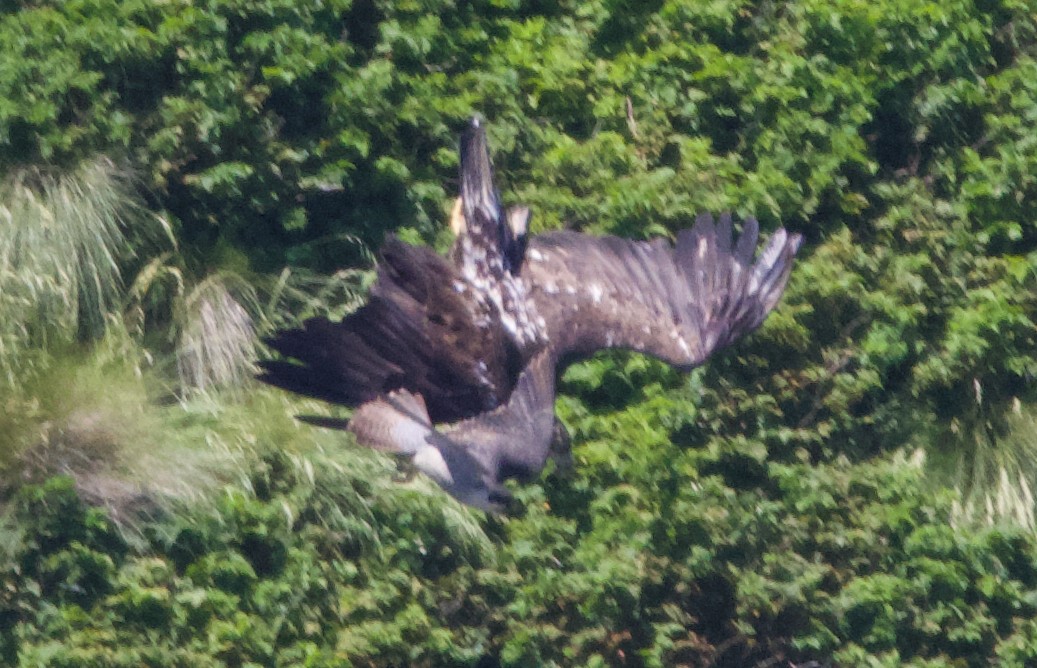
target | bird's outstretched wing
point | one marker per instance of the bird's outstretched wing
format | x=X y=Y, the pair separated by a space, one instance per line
x=471 y=459
x=490 y=246
x=424 y=329
x=678 y=303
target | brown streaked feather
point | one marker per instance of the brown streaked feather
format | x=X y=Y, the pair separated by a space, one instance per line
x=471 y=357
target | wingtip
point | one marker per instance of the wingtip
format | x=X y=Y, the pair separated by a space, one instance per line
x=473 y=138
x=783 y=243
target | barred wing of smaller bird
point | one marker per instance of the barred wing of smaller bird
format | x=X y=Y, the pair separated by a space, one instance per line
x=472 y=458
x=678 y=303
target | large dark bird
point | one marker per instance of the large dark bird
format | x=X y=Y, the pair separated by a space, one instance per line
x=477 y=341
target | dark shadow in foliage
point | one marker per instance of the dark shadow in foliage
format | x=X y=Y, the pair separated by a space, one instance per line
x=188 y=546
x=612 y=391
x=739 y=470
x=711 y=601
x=267 y=554
x=272 y=476
x=608 y=383
x=890 y=132
x=54 y=517
x=721 y=119
x=361 y=26
x=625 y=23
x=21 y=142
x=300 y=107
x=689 y=433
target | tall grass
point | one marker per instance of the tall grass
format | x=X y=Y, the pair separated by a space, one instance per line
x=99 y=328
x=65 y=239
x=995 y=469
x=77 y=385
x=216 y=335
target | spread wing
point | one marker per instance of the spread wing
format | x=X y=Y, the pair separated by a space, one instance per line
x=676 y=303
x=424 y=329
x=489 y=248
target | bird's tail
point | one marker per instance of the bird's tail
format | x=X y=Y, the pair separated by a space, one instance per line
x=496 y=233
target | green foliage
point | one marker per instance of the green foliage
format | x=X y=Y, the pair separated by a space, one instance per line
x=325 y=562
x=307 y=566
x=754 y=512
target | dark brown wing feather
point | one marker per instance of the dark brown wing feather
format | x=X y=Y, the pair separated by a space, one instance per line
x=676 y=303
x=424 y=329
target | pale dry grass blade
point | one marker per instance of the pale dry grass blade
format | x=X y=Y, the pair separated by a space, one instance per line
x=217 y=342
x=996 y=471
